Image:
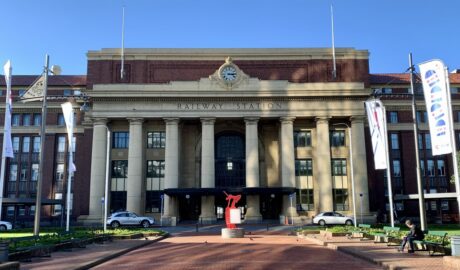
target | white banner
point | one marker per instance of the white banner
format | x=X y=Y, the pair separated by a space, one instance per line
x=7 y=144
x=376 y=116
x=435 y=91
x=67 y=110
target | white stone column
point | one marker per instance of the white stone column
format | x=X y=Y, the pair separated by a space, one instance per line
x=171 y=168
x=252 y=169
x=208 y=177
x=288 y=164
x=359 y=160
x=322 y=163
x=98 y=161
x=134 y=189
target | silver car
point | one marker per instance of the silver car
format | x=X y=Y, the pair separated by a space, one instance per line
x=332 y=218
x=127 y=218
x=5 y=225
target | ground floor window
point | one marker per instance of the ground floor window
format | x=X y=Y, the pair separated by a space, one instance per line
x=117 y=201
x=305 y=200
x=153 y=202
x=341 y=200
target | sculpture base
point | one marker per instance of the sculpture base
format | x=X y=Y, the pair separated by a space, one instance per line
x=232 y=233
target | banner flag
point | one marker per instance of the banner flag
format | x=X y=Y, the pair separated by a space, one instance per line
x=435 y=92
x=67 y=110
x=7 y=150
x=35 y=92
x=376 y=116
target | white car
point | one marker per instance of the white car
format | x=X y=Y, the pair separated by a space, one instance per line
x=326 y=218
x=5 y=225
x=127 y=218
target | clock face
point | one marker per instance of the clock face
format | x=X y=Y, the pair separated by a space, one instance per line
x=228 y=73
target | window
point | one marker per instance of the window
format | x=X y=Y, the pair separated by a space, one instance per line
x=396 y=168
x=393 y=117
x=441 y=168
x=57 y=207
x=387 y=91
x=420 y=141
x=61 y=144
x=67 y=92
x=25 y=144
x=23 y=175
x=445 y=205
x=34 y=172
x=32 y=210
x=119 y=169
x=120 y=140
x=337 y=138
x=305 y=200
x=15 y=119
x=340 y=199
x=153 y=201
x=26 y=120
x=155 y=168
x=15 y=144
x=37 y=119
x=303 y=167
x=10 y=211
x=61 y=120
x=302 y=138
x=37 y=145
x=454 y=90
x=421 y=116
x=22 y=92
x=156 y=139
x=13 y=172
x=430 y=170
x=422 y=167
x=427 y=141
x=60 y=172
x=394 y=141
x=339 y=167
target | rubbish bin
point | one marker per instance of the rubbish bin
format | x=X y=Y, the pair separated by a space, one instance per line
x=455 y=245
x=4 y=251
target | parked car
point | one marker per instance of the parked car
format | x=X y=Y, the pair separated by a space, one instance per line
x=332 y=218
x=5 y=225
x=127 y=218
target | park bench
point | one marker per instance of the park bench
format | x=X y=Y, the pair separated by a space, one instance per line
x=389 y=235
x=434 y=242
x=33 y=246
x=361 y=231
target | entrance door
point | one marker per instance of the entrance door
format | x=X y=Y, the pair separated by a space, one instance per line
x=230 y=160
x=221 y=204
x=189 y=207
x=270 y=205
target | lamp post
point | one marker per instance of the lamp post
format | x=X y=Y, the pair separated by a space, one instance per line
x=350 y=152
x=38 y=203
x=107 y=168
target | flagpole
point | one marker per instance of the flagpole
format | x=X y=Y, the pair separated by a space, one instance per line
x=452 y=141
x=122 y=70
x=69 y=184
x=38 y=202
x=6 y=131
x=387 y=156
x=421 y=195
x=334 y=70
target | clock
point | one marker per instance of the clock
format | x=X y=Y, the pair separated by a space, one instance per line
x=228 y=73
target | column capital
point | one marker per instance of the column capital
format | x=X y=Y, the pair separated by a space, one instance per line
x=135 y=120
x=251 y=120
x=322 y=119
x=357 y=119
x=287 y=119
x=99 y=121
x=208 y=120
x=171 y=120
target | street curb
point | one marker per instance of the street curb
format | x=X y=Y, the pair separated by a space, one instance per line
x=359 y=255
x=117 y=254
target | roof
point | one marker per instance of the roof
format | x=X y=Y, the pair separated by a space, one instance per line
x=403 y=78
x=59 y=80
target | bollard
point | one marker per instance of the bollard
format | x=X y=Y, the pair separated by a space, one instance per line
x=4 y=251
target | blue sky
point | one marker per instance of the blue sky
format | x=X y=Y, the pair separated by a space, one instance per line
x=389 y=29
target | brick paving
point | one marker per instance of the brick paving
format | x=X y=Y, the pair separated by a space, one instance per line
x=256 y=251
x=381 y=254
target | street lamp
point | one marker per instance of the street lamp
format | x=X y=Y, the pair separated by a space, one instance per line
x=351 y=171
x=56 y=70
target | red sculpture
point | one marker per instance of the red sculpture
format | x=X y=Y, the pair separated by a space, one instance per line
x=232 y=199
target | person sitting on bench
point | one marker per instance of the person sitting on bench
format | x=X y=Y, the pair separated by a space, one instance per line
x=414 y=234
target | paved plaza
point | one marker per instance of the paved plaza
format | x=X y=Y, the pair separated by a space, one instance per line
x=275 y=248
